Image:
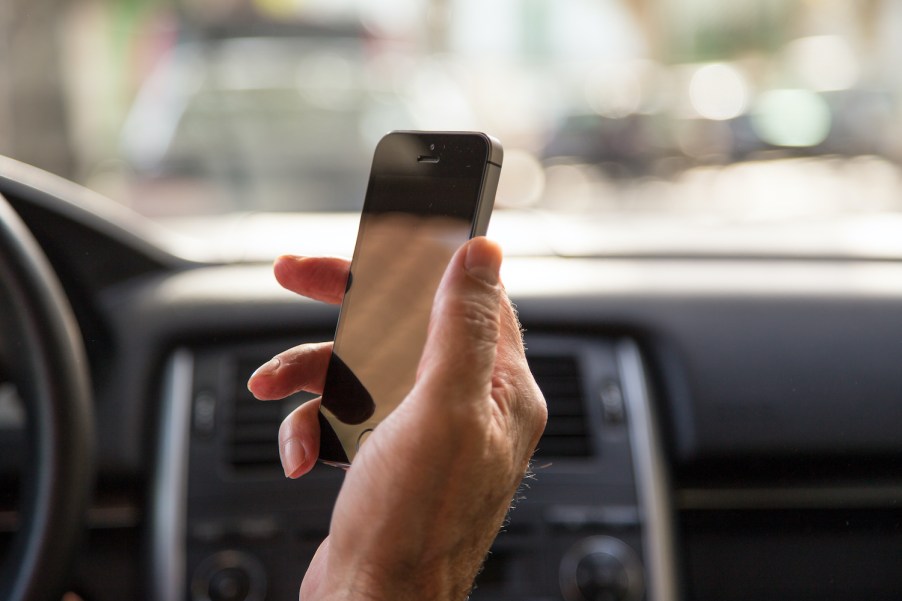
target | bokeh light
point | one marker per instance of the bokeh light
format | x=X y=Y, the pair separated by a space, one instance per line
x=718 y=92
x=792 y=118
x=613 y=90
x=522 y=181
x=824 y=63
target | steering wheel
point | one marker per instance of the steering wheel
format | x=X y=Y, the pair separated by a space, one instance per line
x=56 y=483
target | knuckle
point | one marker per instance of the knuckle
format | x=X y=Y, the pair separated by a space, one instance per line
x=480 y=319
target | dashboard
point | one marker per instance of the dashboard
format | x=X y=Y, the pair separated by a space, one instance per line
x=720 y=427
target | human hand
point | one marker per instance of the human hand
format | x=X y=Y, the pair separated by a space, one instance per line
x=427 y=493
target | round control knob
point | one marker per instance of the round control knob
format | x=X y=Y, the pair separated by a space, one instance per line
x=601 y=568
x=229 y=576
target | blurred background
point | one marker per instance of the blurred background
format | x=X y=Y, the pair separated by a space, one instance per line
x=749 y=111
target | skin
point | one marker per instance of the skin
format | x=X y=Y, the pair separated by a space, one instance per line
x=428 y=492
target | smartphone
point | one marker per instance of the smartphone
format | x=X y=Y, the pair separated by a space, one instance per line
x=428 y=193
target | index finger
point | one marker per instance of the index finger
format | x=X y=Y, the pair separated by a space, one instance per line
x=319 y=278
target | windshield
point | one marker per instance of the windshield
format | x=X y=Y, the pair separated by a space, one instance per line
x=661 y=113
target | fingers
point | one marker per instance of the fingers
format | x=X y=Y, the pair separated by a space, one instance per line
x=303 y=367
x=299 y=439
x=300 y=368
x=320 y=278
x=465 y=327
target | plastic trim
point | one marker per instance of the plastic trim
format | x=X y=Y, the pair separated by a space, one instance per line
x=170 y=487
x=652 y=490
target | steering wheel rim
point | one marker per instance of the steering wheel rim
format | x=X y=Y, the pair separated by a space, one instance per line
x=57 y=398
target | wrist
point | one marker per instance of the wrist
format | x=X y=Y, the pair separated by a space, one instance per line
x=445 y=582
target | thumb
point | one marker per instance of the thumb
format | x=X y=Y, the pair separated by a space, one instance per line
x=464 y=328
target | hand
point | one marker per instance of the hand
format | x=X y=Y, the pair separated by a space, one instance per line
x=426 y=495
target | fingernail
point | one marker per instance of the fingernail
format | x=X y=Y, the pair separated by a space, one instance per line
x=268 y=368
x=483 y=261
x=293 y=455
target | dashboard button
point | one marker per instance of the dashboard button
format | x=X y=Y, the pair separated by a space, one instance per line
x=229 y=576
x=601 y=567
x=612 y=406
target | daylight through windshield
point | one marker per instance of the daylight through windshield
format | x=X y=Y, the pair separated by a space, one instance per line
x=751 y=110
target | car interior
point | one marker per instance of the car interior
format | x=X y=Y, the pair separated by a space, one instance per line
x=700 y=212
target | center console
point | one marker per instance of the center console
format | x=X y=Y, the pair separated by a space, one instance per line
x=592 y=521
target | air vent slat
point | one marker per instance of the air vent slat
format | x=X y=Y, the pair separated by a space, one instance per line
x=252 y=438
x=564 y=390
x=567 y=433
x=551 y=447
x=256 y=454
x=565 y=425
x=247 y=433
x=253 y=410
x=567 y=407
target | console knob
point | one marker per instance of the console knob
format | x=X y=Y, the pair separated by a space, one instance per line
x=229 y=584
x=229 y=576
x=601 y=568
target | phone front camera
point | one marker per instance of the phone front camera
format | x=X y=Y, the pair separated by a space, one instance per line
x=432 y=147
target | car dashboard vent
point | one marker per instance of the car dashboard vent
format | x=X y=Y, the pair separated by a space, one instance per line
x=567 y=432
x=252 y=436
x=252 y=439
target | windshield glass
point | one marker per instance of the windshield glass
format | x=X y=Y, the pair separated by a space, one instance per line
x=661 y=113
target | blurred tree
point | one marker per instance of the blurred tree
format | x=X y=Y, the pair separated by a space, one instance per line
x=712 y=30
x=436 y=34
x=33 y=126
x=646 y=14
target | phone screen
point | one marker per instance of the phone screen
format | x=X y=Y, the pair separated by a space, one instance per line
x=411 y=225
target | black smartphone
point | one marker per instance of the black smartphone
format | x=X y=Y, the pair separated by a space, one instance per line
x=428 y=193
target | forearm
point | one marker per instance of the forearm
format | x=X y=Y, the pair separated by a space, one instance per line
x=448 y=579
x=442 y=569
